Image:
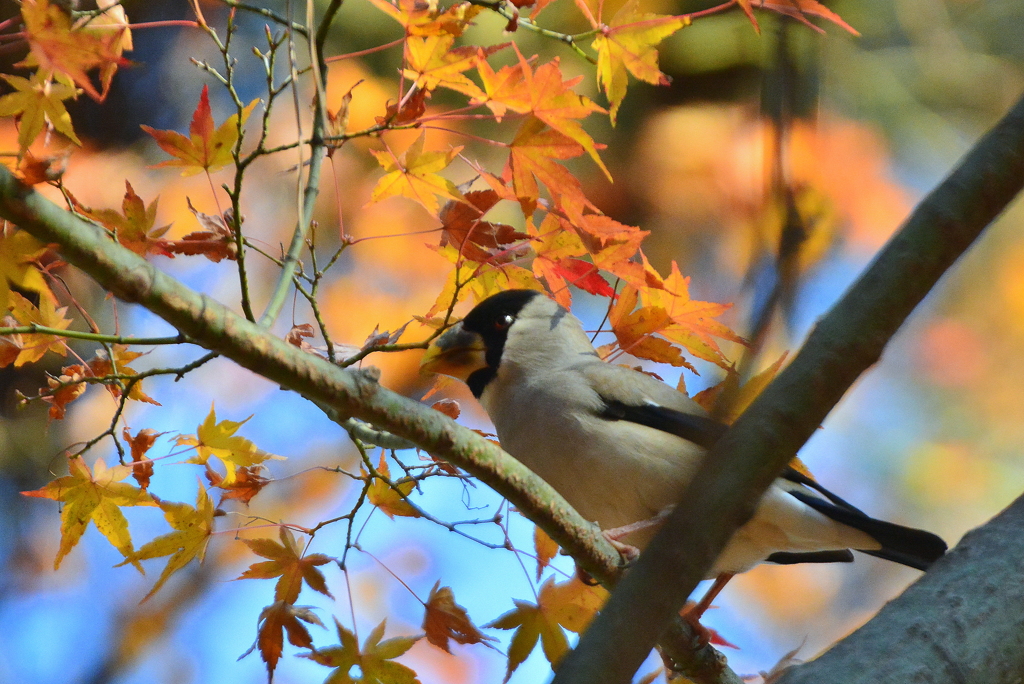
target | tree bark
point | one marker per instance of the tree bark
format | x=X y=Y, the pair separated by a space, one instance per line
x=962 y=622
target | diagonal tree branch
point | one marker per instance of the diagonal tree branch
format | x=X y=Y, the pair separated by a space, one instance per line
x=844 y=344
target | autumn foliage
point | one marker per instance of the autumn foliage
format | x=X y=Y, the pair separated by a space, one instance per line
x=506 y=211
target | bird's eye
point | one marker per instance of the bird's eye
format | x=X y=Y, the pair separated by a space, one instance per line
x=504 y=322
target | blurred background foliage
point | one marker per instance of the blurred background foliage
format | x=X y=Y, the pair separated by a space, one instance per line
x=771 y=169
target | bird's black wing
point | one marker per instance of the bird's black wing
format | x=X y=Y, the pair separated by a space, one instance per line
x=905 y=545
x=700 y=430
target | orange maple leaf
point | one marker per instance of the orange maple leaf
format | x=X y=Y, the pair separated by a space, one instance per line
x=415 y=175
x=693 y=322
x=445 y=620
x=207 y=148
x=635 y=329
x=133 y=226
x=60 y=47
x=545 y=548
x=544 y=94
x=96 y=496
x=275 y=620
x=289 y=564
x=142 y=468
x=420 y=18
x=627 y=44
x=102 y=365
x=532 y=155
x=553 y=244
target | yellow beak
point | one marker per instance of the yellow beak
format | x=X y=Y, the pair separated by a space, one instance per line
x=457 y=353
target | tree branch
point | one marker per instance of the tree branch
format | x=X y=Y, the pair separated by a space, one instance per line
x=962 y=622
x=731 y=479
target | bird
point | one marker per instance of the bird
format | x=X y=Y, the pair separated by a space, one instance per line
x=620 y=445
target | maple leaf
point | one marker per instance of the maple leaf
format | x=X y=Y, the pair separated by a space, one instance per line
x=532 y=155
x=95 y=496
x=142 y=468
x=391 y=499
x=420 y=18
x=449 y=407
x=17 y=252
x=215 y=243
x=446 y=620
x=410 y=108
x=553 y=244
x=693 y=322
x=32 y=346
x=543 y=94
x=133 y=225
x=797 y=9
x=59 y=47
x=193 y=527
x=375 y=661
x=571 y=605
x=634 y=330
x=414 y=175
x=102 y=365
x=206 y=149
x=218 y=439
x=38 y=102
x=545 y=547
x=431 y=61
x=248 y=483
x=274 y=621
x=627 y=44
x=288 y=563
x=584 y=276
x=63 y=390
x=462 y=225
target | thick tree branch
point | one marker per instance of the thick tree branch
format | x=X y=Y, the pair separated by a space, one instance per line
x=962 y=622
x=208 y=323
x=843 y=345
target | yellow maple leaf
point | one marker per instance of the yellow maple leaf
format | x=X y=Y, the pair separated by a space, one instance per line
x=218 y=439
x=34 y=346
x=391 y=500
x=431 y=62
x=414 y=175
x=375 y=660
x=570 y=605
x=627 y=44
x=193 y=527
x=95 y=496
x=17 y=252
x=38 y=102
